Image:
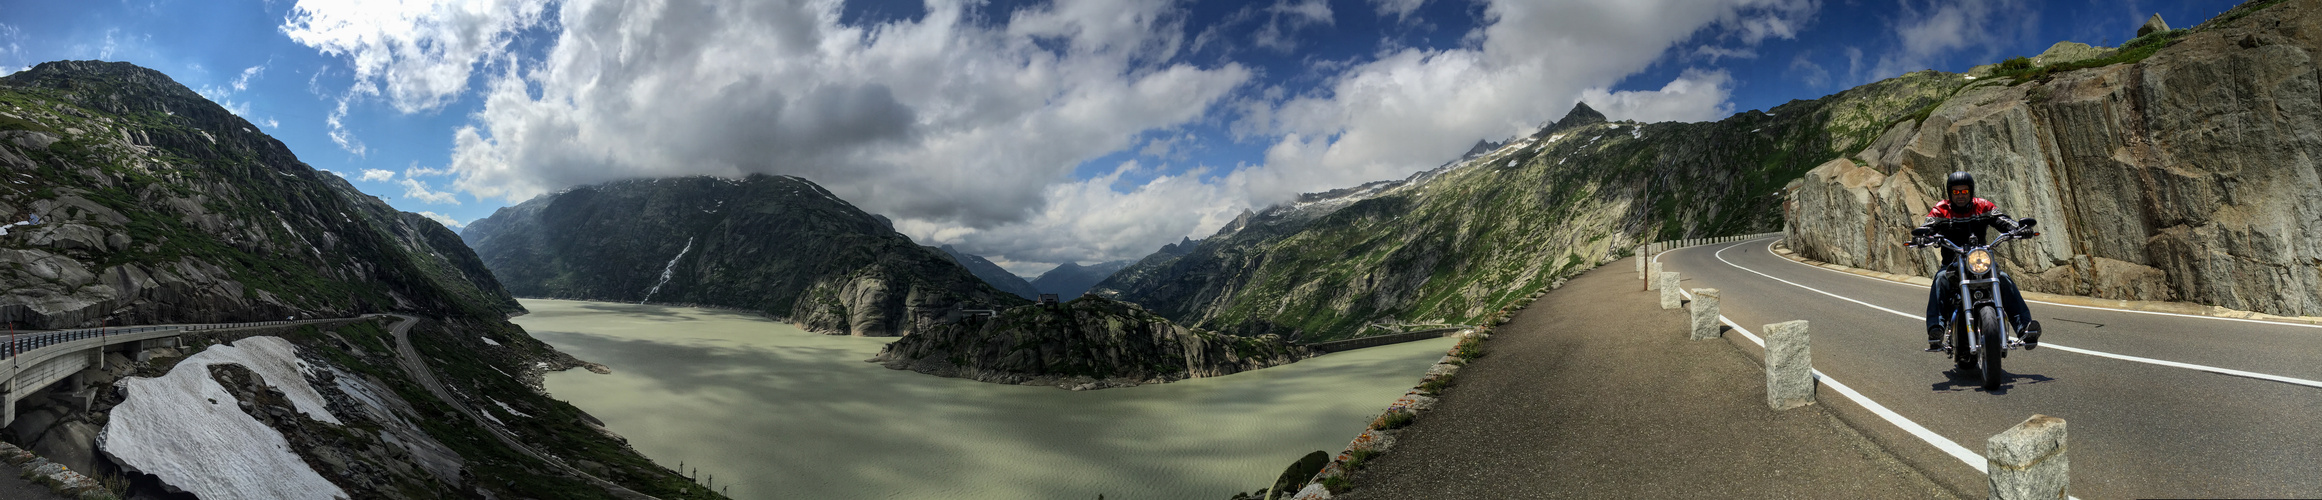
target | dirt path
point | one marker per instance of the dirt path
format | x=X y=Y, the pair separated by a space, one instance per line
x=1595 y=392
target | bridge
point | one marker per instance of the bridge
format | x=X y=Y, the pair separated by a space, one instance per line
x=35 y=360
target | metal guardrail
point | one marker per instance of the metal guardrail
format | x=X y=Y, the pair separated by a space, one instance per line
x=26 y=344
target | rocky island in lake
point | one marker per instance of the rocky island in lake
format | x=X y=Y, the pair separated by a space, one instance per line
x=1088 y=343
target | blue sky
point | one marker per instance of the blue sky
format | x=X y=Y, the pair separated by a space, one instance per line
x=1027 y=131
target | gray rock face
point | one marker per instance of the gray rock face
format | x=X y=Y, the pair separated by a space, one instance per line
x=2152 y=25
x=2195 y=175
x=1086 y=343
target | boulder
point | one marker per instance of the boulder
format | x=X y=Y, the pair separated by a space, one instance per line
x=72 y=443
x=2153 y=25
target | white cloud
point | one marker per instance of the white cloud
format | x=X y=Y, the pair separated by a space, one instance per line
x=446 y=220
x=1929 y=34
x=1694 y=96
x=1714 y=53
x=420 y=51
x=376 y=175
x=243 y=82
x=415 y=188
x=1401 y=9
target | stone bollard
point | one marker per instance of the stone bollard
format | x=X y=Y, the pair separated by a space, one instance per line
x=1789 y=366
x=1704 y=313
x=1641 y=261
x=1669 y=297
x=1653 y=277
x=2027 y=461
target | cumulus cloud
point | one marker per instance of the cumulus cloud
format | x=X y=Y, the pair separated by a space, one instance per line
x=376 y=175
x=417 y=189
x=1928 y=34
x=1694 y=96
x=446 y=220
x=1401 y=9
x=420 y=51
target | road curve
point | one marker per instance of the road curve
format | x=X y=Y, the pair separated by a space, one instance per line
x=2137 y=429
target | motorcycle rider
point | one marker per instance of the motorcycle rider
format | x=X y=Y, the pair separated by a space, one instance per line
x=1960 y=201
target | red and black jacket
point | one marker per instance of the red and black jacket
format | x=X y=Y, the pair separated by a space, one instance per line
x=1966 y=234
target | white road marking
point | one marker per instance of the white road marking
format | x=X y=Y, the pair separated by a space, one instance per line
x=2172 y=364
x=1770 y=249
x=1941 y=443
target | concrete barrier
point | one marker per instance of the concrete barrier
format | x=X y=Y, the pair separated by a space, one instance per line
x=1789 y=366
x=1641 y=261
x=2027 y=461
x=1669 y=297
x=1704 y=313
x=1653 y=277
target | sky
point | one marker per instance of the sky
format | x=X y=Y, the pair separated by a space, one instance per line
x=1029 y=132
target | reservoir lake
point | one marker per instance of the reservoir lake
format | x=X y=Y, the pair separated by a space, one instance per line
x=773 y=411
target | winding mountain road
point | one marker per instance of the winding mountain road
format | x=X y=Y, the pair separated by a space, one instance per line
x=2159 y=405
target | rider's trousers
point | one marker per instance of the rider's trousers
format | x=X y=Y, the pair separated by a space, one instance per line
x=1947 y=285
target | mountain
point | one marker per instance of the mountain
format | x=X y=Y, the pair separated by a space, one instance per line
x=1072 y=279
x=1086 y=343
x=1461 y=243
x=155 y=205
x=779 y=245
x=2182 y=166
x=158 y=206
x=993 y=274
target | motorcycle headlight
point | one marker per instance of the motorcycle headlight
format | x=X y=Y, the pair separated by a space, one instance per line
x=1979 y=261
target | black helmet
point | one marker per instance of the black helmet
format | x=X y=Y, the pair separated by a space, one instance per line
x=1959 y=179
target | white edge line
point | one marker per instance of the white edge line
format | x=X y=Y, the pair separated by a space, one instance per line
x=2123 y=357
x=1770 y=249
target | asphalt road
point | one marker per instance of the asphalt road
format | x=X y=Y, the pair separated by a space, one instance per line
x=2136 y=429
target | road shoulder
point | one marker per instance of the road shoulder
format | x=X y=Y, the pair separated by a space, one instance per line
x=1594 y=391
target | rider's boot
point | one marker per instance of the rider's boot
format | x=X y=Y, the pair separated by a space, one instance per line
x=1934 y=338
x=2029 y=331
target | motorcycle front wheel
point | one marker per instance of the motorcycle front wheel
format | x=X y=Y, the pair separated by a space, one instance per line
x=1987 y=325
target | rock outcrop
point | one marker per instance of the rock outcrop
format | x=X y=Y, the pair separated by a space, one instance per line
x=2192 y=175
x=775 y=244
x=1086 y=343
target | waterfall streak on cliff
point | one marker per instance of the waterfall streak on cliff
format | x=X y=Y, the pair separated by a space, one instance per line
x=666 y=270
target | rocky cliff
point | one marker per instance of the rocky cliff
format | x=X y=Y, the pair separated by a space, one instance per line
x=155 y=205
x=779 y=245
x=1461 y=243
x=2183 y=166
x=993 y=274
x=1085 y=343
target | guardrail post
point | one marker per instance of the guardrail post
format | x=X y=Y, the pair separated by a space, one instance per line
x=2027 y=461
x=1789 y=366
x=1653 y=281
x=1669 y=297
x=1704 y=313
x=1641 y=261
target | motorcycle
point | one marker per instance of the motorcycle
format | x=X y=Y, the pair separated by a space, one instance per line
x=1975 y=335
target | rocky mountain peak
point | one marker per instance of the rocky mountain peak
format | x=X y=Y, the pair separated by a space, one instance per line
x=1580 y=115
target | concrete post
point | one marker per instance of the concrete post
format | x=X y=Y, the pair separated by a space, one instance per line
x=1653 y=281
x=1704 y=313
x=2027 y=461
x=8 y=401
x=1669 y=297
x=1789 y=366
x=1641 y=261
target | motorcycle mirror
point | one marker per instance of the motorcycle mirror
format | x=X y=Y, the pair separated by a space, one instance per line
x=2029 y=222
